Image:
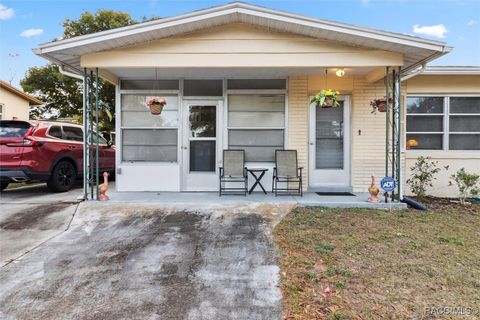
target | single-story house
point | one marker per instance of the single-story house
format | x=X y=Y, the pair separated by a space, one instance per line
x=14 y=103
x=241 y=76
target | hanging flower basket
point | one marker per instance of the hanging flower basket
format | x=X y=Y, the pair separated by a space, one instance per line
x=326 y=99
x=156 y=104
x=380 y=104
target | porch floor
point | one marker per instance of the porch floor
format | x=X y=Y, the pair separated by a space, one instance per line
x=202 y=199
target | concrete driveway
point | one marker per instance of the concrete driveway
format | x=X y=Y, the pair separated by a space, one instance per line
x=30 y=216
x=134 y=261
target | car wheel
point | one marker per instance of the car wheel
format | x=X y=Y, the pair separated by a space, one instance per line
x=3 y=185
x=63 y=177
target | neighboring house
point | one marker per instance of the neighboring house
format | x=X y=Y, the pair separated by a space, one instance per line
x=448 y=130
x=241 y=76
x=14 y=103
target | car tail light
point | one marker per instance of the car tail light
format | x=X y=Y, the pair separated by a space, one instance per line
x=32 y=142
x=28 y=141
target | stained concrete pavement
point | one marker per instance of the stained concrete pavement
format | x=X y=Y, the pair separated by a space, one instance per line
x=31 y=215
x=132 y=261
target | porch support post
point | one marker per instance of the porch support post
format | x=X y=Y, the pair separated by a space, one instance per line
x=96 y=132
x=387 y=125
x=85 y=134
x=394 y=127
x=90 y=142
x=399 y=134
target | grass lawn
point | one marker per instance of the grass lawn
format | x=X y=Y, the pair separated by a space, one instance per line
x=372 y=264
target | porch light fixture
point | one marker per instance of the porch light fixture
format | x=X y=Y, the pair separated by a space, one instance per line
x=340 y=72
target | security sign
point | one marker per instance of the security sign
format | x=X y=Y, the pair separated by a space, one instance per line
x=388 y=184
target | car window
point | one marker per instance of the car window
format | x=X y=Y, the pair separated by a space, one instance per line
x=12 y=129
x=55 y=131
x=72 y=133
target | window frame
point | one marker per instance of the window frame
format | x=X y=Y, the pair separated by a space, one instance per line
x=167 y=93
x=2 y=110
x=446 y=121
x=283 y=92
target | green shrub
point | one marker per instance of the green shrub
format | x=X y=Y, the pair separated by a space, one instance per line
x=467 y=184
x=423 y=174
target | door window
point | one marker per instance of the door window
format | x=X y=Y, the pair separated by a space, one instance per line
x=329 y=137
x=202 y=128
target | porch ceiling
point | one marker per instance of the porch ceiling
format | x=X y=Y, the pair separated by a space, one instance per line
x=415 y=50
x=176 y=73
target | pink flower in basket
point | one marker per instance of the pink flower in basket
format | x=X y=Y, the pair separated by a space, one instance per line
x=156 y=100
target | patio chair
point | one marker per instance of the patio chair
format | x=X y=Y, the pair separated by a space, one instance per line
x=234 y=173
x=287 y=171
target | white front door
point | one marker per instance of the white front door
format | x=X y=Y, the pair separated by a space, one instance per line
x=329 y=147
x=201 y=145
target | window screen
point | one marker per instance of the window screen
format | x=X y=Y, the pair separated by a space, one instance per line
x=147 y=137
x=149 y=145
x=149 y=84
x=203 y=88
x=256 y=123
x=251 y=84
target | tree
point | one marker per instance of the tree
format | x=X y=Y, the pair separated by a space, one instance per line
x=62 y=95
x=100 y=21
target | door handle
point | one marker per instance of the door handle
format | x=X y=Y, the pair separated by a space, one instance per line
x=311 y=143
x=71 y=147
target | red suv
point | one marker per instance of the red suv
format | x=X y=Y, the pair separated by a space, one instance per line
x=48 y=151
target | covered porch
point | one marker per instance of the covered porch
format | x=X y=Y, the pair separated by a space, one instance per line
x=241 y=77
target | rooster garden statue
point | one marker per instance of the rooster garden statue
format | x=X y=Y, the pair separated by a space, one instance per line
x=374 y=190
x=102 y=189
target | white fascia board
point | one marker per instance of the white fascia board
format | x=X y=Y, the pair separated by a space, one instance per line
x=452 y=70
x=349 y=29
x=141 y=25
x=100 y=37
x=248 y=10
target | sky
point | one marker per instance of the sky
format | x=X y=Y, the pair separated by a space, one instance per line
x=24 y=24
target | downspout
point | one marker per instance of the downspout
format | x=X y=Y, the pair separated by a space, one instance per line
x=62 y=70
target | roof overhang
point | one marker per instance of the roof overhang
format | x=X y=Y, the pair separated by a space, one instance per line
x=416 y=51
x=452 y=70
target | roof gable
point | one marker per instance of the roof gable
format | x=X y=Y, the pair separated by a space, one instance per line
x=416 y=50
x=31 y=100
x=237 y=38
